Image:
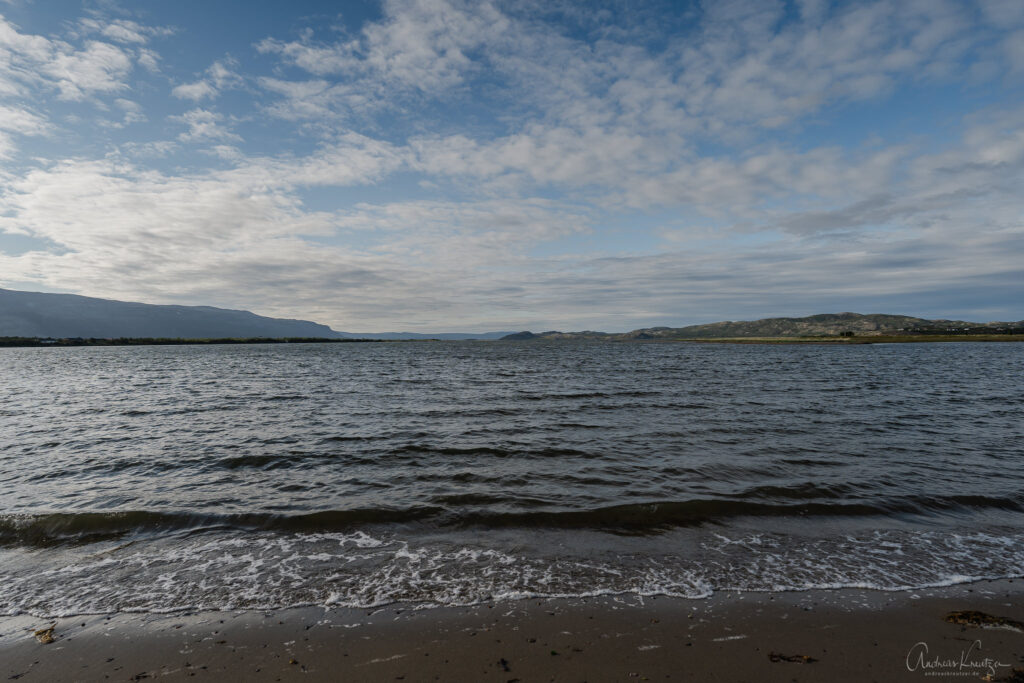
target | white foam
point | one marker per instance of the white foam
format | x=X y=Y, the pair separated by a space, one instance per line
x=268 y=570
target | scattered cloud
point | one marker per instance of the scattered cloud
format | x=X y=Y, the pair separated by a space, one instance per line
x=198 y=90
x=132 y=113
x=23 y=121
x=145 y=150
x=513 y=165
x=149 y=60
x=219 y=76
x=204 y=126
x=100 y=67
x=424 y=45
x=31 y=61
x=124 y=30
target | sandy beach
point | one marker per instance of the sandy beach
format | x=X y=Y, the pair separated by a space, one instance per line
x=847 y=635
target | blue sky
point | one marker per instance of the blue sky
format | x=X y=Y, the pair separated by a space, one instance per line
x=433 y=165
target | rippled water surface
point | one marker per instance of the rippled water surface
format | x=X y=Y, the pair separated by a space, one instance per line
x=161 y=478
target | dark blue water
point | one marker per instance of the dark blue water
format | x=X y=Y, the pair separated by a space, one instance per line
x=163 y=478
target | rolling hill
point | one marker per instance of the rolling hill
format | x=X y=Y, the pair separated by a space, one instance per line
x=821 y=325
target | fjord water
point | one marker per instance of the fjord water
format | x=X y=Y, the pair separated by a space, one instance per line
x=261 y=476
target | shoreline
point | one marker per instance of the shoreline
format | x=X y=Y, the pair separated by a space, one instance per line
x=854 y=341
x=836 y=635
x=38 y=343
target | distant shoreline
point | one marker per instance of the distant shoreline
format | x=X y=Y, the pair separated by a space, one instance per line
x=878 y=339
x=38 y=342
x=834 y=340
x=47 y=342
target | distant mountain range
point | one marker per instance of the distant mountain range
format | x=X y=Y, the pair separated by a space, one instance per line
x=59 y=316
x=825 y=324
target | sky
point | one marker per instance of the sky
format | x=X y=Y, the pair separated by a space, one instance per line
x=437 y=165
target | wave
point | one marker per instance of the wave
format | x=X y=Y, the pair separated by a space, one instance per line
x=91 y=527
x=548 y=452
x=659 y=516
x=454 y=510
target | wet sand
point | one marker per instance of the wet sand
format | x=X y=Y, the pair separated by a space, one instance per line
x=847 y=635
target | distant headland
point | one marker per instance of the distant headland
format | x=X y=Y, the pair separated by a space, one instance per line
x=45 y=316
x=824 y=327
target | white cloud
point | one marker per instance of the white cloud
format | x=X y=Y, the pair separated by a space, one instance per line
x=219 y=76
x=194 y=91
x=421 y=46
x=101 y=67
x=28 y=61
x=154 y=231
x=609 y=113
x=460 y=234
x=23 y=121
x=7 y=146
x=136 y=234
x=149 y=60
x=428 y=44
x=16 y=44
x=145 y=150
x=741 y=66
x=128 y=232
x=314 y=99
x=19 y=120
x=204 y=126
x=312 y=58
x=124 y=30
x=132 y=113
